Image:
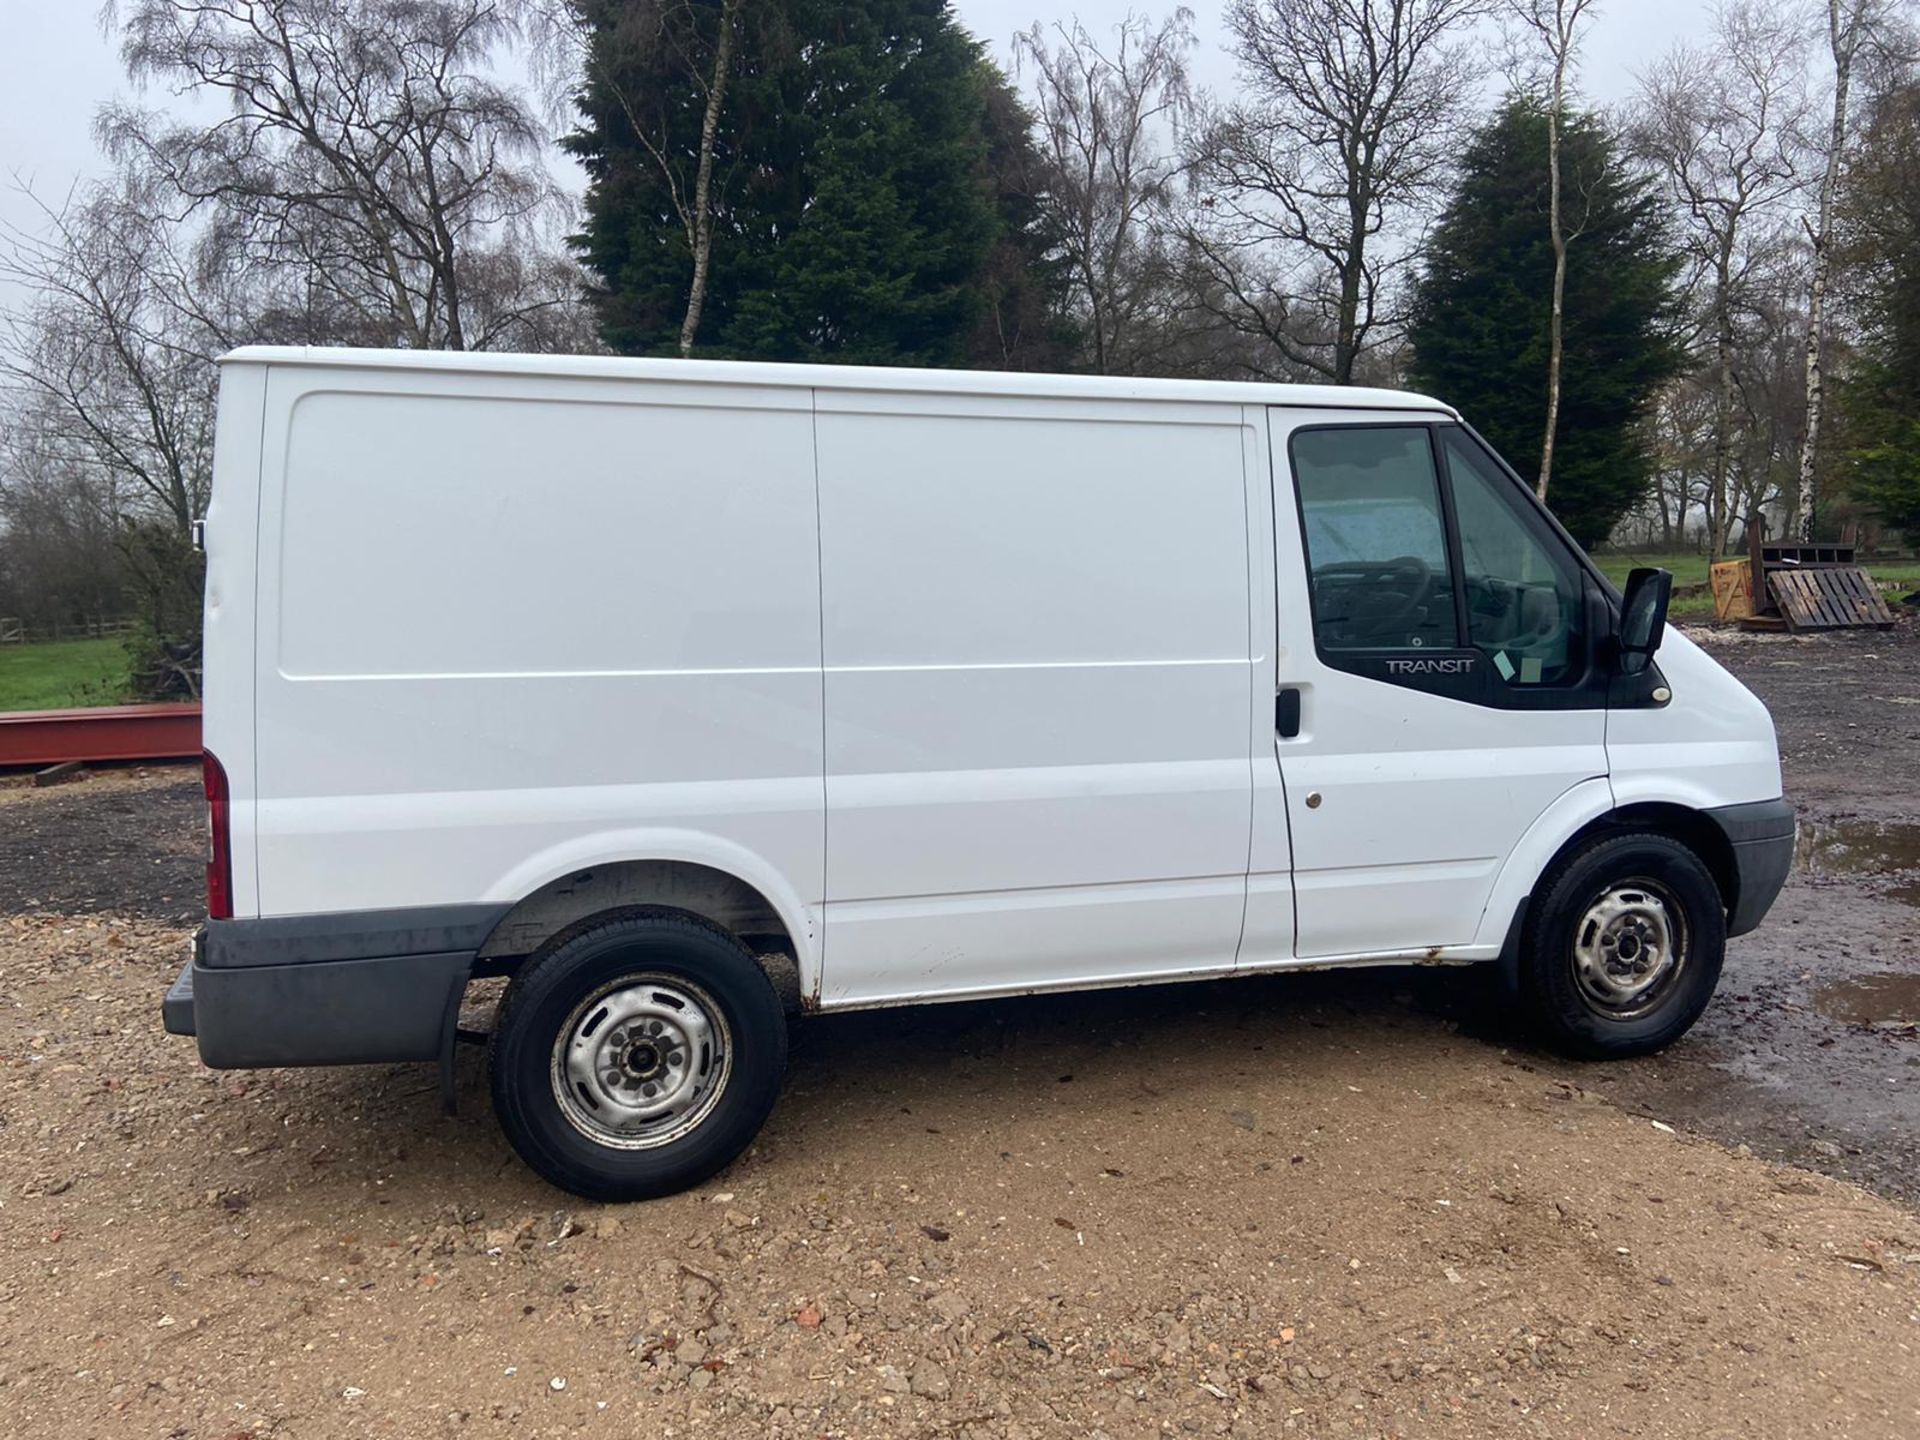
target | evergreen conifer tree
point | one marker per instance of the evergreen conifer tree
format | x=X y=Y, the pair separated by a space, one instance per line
x=1480 y=313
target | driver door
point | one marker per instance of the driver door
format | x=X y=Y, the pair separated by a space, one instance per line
x=1438 y=631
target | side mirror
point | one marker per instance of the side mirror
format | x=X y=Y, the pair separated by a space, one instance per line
x=1643 y=618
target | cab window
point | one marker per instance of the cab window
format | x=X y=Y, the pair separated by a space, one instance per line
x=1376 y=538
x=1523 y=590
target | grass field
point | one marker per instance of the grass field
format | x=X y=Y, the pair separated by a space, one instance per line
x=63 y=673
x=1902 y=576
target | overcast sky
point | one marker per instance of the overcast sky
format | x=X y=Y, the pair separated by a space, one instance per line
x=57 y=68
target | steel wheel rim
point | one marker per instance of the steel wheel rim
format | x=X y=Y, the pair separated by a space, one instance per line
x=1629 y=948
x=642 y=1061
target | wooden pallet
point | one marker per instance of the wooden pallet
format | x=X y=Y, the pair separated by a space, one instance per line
x=1828 y=597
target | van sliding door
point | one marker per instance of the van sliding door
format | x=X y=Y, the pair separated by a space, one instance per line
x=1035 y=636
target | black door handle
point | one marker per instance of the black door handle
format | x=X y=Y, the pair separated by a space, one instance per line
x=1286 y=713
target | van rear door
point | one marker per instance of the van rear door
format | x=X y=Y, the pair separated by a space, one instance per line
x=1439 y=640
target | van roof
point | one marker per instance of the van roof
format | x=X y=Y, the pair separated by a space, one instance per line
x=842 y=377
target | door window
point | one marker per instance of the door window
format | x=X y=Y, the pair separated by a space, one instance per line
x=1523 y=590
x=1376 y=538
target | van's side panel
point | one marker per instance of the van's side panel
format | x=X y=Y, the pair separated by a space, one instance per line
x=1037 y=680
x=232 y=520
x=513 y=626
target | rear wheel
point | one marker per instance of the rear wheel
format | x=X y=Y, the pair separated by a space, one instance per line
x=1622 y=947
x=637 y=1057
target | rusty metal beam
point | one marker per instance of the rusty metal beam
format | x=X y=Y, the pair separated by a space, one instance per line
x=109 y=732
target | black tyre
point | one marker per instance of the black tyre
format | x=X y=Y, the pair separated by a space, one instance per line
x=637 y=1057
x=1622 y=946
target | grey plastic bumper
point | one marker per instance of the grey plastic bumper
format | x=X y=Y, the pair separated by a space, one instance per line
x=1762 y=837
x=360 y=988
x=176 y=1011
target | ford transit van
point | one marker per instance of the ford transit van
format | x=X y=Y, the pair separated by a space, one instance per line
x=692 y=697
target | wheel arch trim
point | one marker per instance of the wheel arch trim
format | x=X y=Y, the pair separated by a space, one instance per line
x=1587 y=807
x=687 y=847
x=1572 y=812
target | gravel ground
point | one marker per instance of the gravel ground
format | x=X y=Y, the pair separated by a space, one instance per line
x=1311 y=1205
x=1810 y=1052
x=122 y=842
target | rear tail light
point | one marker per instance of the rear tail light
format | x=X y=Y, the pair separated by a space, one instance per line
x=219 y=840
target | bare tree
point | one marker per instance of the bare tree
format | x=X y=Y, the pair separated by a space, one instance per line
x=1682 y=438
x=1311 y=187
x=368 y=184
x=1555 y=29
x=1108 y=118
x=60 y=564
x=1723 y=127
x=1848 y=25
x=700 y=235
x=1772 y=386
x=107 y=351
x=367 y=158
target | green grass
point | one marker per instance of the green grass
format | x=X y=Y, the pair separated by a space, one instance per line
x=1899 y=576
x=63 y=674
x=1687 y=569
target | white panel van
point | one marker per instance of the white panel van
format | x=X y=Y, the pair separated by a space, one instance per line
x=694 y=696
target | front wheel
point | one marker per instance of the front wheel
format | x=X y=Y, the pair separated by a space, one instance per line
x=1622 y=947
x=637 y=1057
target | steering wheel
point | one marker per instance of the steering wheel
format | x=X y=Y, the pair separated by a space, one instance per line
x=1383 y=596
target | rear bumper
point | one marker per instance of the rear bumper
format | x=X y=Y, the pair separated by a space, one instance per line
x=355 y=988
x=1762 y=837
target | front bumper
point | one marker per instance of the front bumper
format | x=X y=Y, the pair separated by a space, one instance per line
x=1761 y=835
x=354 y=988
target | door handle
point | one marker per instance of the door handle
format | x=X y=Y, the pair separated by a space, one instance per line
x=1286 y=713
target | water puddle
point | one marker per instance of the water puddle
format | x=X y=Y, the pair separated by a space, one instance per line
x=1860 y=847
x=1889 y=999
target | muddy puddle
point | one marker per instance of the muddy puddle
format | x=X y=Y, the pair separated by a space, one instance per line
x=1889 y=999
x=1861 y=847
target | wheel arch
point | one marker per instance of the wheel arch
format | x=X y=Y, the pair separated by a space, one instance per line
x=1580 y=814
x=715 y=881
x=1690 y=827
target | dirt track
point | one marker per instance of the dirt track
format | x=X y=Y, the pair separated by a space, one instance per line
x=1310 y=1205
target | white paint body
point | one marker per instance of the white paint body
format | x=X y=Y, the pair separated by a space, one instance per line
x=971 y=676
